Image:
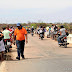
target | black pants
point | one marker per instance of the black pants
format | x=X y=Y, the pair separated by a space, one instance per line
x=20 y=47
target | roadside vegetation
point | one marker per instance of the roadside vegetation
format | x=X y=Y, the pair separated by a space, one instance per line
x=68 y=26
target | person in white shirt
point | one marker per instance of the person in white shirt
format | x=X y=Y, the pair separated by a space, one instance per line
x=52 y=32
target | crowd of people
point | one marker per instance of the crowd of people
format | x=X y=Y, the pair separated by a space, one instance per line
x=8 y=36
x=54 y=32
x=19 y=35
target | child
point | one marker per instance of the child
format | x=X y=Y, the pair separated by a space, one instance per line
x=2 y=47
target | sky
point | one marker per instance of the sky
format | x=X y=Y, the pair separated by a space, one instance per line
x=49 y=11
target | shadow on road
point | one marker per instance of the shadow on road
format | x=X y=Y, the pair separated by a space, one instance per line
x=65 y=48
x=10 y=59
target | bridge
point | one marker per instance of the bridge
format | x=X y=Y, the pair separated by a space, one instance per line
x=40 y=56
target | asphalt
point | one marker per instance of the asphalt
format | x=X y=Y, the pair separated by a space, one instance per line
x=40 y=56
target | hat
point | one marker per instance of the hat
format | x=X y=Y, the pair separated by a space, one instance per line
x=18 y=24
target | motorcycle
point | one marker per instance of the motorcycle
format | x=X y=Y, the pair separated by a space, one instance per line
x=41 y=36
x=28 y=31
x=32 y=33
x=7 y=44
x=64 y=42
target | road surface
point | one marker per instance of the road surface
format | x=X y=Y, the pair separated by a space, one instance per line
x=41 y=56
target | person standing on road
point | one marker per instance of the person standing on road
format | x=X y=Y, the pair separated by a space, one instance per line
x=47 y=30
x=6 y=34
x=52 y=32
x=10 y=35
x=32 y=30
x=19 y=34
x=44 y=30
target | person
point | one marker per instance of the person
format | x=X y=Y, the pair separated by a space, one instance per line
x=19 y=34
x=35 y=31
x=44 y=30
x=52 y=32
x=41 y=31
x=47 y=30
x=2 y=47
x=55 y=31
x=62 y=34
x=6 y=33
x=38 y=32
x=32 y=29
x=10 y=29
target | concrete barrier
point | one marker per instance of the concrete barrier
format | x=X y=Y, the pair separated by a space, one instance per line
x=69 y=38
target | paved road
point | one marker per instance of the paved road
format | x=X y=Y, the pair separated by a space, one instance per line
x=41 y=56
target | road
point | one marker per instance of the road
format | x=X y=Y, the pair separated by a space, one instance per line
x=41 y=56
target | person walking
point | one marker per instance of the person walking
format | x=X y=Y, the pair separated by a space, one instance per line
x=47 y=31
x=19 y=34
x=52 y=32
x=6 y=34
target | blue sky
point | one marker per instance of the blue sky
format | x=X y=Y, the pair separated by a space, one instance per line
x=13 y=11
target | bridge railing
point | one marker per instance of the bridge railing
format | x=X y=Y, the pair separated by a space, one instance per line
x=69 y=38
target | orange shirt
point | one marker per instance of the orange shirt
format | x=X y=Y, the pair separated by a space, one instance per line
x=20 y=34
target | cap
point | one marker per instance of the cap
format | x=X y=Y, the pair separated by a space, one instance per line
x=18 y=24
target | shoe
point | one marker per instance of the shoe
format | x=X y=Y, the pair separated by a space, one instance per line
x=5 y=51
x=18 y=58
x=14 y=43
x=23 y=57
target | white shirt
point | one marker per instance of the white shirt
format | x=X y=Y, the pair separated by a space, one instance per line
x=41 y=30
x=63 y=31
x=52 y=28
